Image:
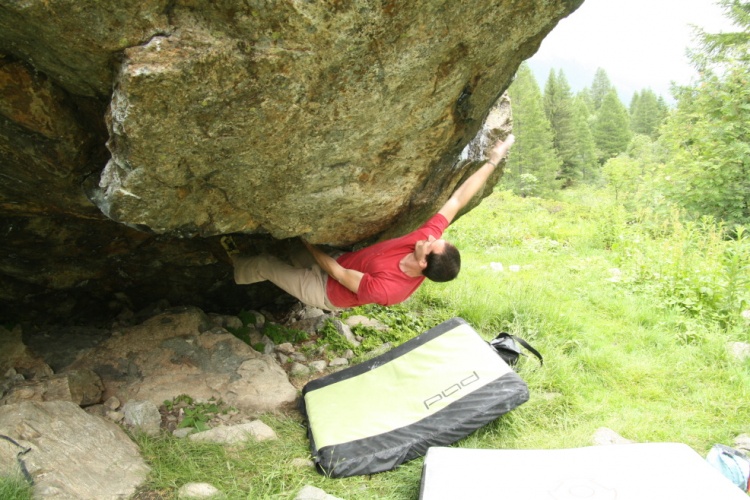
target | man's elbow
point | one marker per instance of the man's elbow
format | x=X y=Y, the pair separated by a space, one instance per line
x=451 y=208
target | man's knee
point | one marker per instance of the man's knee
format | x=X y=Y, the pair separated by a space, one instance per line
x=249 y=269
x=298 y=254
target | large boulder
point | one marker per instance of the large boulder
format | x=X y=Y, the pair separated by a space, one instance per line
x=303 y=121
x=182 y=352
x=126 y=126
x=71 y=454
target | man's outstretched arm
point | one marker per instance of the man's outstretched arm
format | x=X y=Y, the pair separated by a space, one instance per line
x=347 y=277
x=471 y=186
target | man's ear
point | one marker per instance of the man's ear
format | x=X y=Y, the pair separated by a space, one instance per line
x=423 y=262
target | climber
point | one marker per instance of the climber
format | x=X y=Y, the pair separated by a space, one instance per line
x=385 y=273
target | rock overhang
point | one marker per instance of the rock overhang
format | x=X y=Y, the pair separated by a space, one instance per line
x=339 y=122
x=307 y=121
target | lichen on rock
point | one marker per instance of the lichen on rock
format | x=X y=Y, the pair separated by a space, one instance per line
x=134 y=132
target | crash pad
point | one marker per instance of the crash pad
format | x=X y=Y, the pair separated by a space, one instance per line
x=643 y=471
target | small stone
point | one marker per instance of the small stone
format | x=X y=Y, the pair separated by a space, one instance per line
x=299 y=357
x=349 y=354
x=285 y=348
x=142 y=415
x=359 y=320
x=318 y=365
x=739 y=350
x=233 y=434
x=604 y=436
x=311 y=312
x=283 y=358
x=302 y=463
x=112 y=403
x=299 y=370
x=310 y=325
x=97 y=410
x=225 y=321
x=182 y=432
x=339 y=362
x=615 y=275
x=345 y=331
x=198 y=490
x=309 y=492
x=232 y=322
x=115 y=416
x=261 y=431
x=548 y=396
x=258 y=319
x=255 y=337
x=269 y=346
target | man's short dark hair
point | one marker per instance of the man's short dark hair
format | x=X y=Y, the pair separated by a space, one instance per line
x=443 y=266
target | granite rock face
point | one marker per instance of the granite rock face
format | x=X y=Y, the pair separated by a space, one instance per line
x=70 y=454
x=181 y=353
x=338 y=121
x=346 y=112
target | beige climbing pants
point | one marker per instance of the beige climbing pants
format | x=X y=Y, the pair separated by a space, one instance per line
x=303 y=278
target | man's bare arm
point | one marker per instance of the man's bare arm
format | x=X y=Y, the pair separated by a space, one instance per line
x=471 y=186
x=347 y=277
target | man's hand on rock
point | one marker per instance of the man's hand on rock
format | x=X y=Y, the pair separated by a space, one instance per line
x=500 y=149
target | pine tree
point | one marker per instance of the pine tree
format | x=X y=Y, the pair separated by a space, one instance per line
x=550 y=89
x=726 y=47
x=646 y=113
x=663 y=107
x=611 y=127
x=533 y=165
x=708 y=172
x=585 y=157
x=634 y=104
x=586 y=96
x=558 y=106
x=600 y=87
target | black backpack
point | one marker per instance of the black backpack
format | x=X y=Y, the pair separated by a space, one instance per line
x=507 y=346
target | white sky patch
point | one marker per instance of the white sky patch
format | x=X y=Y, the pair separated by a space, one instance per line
x=639 y=43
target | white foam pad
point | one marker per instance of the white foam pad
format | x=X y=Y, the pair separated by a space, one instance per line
x=644 y=471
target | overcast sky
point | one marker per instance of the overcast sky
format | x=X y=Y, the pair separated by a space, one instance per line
x=639 y=43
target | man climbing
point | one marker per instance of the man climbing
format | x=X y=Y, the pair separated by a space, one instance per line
x=385 y=273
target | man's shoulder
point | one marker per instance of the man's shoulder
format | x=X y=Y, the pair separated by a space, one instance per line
x=437 y=221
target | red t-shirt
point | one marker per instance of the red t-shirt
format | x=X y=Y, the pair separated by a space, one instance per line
x=383 y=282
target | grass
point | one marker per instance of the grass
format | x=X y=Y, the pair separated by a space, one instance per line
x=617 y=355
x=261 y=470
x=617 y=302
x=14 y=488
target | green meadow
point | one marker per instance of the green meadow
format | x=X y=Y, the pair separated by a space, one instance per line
x=633 y=312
